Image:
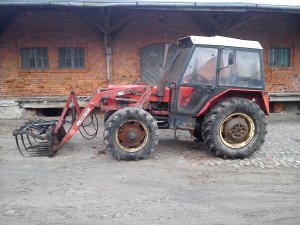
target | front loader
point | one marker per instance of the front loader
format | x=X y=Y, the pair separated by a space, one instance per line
x=40 y=137
x=214 y=89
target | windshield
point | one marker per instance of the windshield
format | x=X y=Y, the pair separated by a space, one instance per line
x=202 y=67
x=178 y=63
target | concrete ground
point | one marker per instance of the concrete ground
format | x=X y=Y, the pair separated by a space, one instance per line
x=180 y=183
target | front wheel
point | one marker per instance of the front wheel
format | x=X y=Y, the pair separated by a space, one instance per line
x=130 y=134
x=107 y=114
x=234 y=128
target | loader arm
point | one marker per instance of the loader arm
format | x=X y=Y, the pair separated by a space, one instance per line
x=47 y=137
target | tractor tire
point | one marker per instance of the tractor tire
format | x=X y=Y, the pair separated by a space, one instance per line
x=197 y=133
x=234 y=128
x=107 y=114
x=198 y=136
x=130 y=134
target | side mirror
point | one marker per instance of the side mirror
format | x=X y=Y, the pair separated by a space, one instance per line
x=231 y=58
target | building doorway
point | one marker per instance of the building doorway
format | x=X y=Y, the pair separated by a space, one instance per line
x=151 y=59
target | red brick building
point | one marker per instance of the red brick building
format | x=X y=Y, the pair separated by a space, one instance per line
x=48 y=49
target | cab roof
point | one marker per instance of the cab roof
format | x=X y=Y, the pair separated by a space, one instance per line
x=219 y=41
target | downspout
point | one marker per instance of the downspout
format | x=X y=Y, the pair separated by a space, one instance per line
x=107 y=45
x=108 y=54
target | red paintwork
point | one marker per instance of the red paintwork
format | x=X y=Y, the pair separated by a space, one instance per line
x=154 y=98
x=265 y=102
x=261 y=98
x=160 y=113
x=72 y=97
x=141 y=93
x=185 y=95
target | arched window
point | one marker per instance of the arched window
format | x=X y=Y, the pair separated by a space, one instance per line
x=151 y=59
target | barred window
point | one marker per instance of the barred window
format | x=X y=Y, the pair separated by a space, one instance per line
x=34 y=58
x=279 y=57
x=71 y=58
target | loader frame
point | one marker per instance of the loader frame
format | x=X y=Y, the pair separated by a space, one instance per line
x=40 y=137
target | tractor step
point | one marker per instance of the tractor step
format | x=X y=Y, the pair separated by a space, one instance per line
x=37 y=138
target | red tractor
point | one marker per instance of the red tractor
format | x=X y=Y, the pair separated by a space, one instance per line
x=214 y=88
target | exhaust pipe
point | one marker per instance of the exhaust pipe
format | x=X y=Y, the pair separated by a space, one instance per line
x=163 y=74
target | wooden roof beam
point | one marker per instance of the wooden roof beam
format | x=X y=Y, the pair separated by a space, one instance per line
x=204 y=24
x=6 y=18
x=119 y=25
x=241 y=22
x=90 y=21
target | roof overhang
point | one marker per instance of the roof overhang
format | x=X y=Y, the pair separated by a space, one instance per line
x=291 y=6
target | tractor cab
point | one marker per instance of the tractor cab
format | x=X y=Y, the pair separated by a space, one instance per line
x=207 y=68
x=217 y=61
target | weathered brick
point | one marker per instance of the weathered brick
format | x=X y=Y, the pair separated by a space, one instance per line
x=54 y=29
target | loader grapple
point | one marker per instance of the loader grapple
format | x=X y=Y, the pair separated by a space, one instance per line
x=37 y=138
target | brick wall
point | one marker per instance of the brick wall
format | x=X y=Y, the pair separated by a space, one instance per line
x=53 y=29
x=146 y=29
x=277 y=107
x=276 y=31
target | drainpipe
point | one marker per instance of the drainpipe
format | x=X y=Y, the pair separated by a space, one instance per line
x=107 y=45
x=108 y=54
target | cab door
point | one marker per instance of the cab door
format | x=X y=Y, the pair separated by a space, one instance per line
x=195 y=87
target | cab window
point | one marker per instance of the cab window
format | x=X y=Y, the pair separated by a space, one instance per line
x=243 y=71
x=201 y=69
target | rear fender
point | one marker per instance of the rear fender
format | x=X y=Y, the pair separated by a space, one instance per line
x=260 y=97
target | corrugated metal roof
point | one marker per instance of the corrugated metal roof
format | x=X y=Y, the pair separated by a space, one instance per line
x=262 y=5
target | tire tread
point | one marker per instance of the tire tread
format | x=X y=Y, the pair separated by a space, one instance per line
x=210 y=120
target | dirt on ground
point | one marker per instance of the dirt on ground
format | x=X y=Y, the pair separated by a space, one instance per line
x=180 y=183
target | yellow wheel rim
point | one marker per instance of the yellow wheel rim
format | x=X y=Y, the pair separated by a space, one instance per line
x=237 y=130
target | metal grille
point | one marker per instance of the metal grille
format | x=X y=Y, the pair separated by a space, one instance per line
x=34 y=58
x=151 y=60
x=279 y=57
x=71 y=58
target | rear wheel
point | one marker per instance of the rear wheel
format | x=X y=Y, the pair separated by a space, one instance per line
x=197 y=133
x=234 y=128
x=130 y=134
